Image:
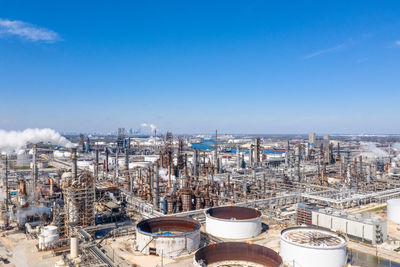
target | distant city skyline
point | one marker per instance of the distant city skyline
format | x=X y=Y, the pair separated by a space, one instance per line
x=241 y=67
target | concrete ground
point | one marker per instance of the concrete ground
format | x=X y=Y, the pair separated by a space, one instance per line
x=22 y=252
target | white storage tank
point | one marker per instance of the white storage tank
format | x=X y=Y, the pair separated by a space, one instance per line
x=312 y=247
x=50 y=230
x=48 y=237
x=233 y=222
x=169 y=236
x=393 y=210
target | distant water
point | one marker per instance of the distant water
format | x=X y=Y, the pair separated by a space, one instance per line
x=366 y=260
x=208 y=144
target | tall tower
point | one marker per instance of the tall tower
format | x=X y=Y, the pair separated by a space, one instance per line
x=258 y=150
x=34 y=170
x=216 y=153
x=312 y=138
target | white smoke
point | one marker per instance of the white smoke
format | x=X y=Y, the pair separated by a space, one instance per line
x=14 y=140
x=396 y=146
x=152 y=126
x=371 y=150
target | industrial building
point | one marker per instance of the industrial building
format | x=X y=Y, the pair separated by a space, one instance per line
x=356 y=226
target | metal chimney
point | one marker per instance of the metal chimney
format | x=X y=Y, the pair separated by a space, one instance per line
x=74 y=163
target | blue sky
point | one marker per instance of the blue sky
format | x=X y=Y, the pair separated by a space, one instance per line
x=196 y=66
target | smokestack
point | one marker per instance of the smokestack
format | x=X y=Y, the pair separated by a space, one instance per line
x=116 y=165
x=106 y=162
x=264 y=184
x=195 y=162
x=258 y=148
x=96 y=167
x=216 y=152
x=297 y=159
x=7 y=194
x=74 y=163
x=287 y=154
x=169 y=179
x=127 y=158
x=34 y=169
x=238 y=157
x=245 y=186
x=251 y=156
x=156 y=198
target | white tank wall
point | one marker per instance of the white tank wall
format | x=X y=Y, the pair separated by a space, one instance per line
x=50 y=230
x=312 y=257
x=169 y=246
x=233 y=229
x=393 y=210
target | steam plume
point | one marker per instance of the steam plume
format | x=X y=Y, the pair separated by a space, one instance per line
x=152 y=126
x=371 y=149
x=15 y=140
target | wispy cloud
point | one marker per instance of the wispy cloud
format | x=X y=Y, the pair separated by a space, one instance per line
x=27 y=31
x=397 y=43
x=328 y=50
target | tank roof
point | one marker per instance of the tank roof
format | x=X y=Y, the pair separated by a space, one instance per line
x=313 y=237
x=233 y=213
x=168 y=226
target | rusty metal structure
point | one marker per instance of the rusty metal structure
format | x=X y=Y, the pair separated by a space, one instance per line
x=236 y=253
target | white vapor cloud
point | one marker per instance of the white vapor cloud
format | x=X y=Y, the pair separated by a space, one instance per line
x=152 y=126
x=27 y=31
x=13 y=140
x=325 y=51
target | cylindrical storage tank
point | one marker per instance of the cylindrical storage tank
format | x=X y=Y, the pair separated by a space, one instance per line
x=233 y=222
x=236 y=254
x=393 y=210
x=312 y=247
x=74 y=247
x=50 y=230
x=169 y=236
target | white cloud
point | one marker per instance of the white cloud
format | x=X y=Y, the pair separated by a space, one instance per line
x=27 y=31
x=325 y=51
x=397 y=42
